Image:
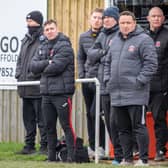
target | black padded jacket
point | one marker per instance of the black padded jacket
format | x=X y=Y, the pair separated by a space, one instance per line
x=57 y=77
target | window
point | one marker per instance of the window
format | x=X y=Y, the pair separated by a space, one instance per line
x=141 y=8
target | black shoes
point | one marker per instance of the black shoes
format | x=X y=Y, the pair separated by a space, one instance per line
x=26 y=151
x=43 y=151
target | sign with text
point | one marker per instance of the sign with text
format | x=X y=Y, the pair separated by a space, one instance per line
x=12 y=30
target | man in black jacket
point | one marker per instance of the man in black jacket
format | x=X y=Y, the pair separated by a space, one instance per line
x=159 y=84
x=54 y=60
x=30 y=95
x=89 y=91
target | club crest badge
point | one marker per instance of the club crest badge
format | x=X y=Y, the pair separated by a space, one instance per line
x=157 y=44
x=131 y=48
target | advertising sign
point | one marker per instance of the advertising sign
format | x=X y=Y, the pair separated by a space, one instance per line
x=12 y=30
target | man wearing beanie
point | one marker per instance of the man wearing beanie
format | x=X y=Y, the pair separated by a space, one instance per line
x=96 y=56
x=31 y=98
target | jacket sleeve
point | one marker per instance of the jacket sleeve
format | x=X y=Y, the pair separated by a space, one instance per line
x=18 y=70
x=18 y=67
x=63 y=56
x=107 y=67
x=96 y=52
x=150 y=63
x=81 y=59
x=38 y=63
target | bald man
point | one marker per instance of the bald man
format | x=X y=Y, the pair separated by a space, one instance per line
x=159 y=84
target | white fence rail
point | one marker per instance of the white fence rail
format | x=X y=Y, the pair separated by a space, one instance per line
x=86 y=80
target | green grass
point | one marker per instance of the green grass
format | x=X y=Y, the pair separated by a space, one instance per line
x=8 y=150
x=8 y=159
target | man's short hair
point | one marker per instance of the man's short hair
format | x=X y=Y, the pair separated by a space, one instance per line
x=50 y=21
x=155 y=7
x=99 y=10
x=128 y=13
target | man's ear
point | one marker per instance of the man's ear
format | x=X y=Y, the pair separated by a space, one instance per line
x=147 y=18
x=163 y=18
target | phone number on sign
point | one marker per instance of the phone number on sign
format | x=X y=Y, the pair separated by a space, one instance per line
x=6 y=72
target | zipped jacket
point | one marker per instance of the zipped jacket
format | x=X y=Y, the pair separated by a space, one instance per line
x=97 y=54
x=86 y=40
x=29 y=46
x=159 y=82
x=57 y=77
x=130 y=65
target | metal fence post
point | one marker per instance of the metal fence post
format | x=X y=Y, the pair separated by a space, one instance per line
x=97 y=127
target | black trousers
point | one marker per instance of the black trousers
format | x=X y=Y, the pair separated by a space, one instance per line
x=112 y=129
x=33 y=117
x=54 y=107
x=158 y=105
x=89 y=93
x=131 y=121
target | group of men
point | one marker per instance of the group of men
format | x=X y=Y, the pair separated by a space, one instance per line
x=131 y=64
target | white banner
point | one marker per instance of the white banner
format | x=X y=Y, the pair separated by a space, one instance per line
x=12 y=30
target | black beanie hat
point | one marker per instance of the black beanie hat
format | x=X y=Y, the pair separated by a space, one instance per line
x=112 y=12
x=36 y=16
